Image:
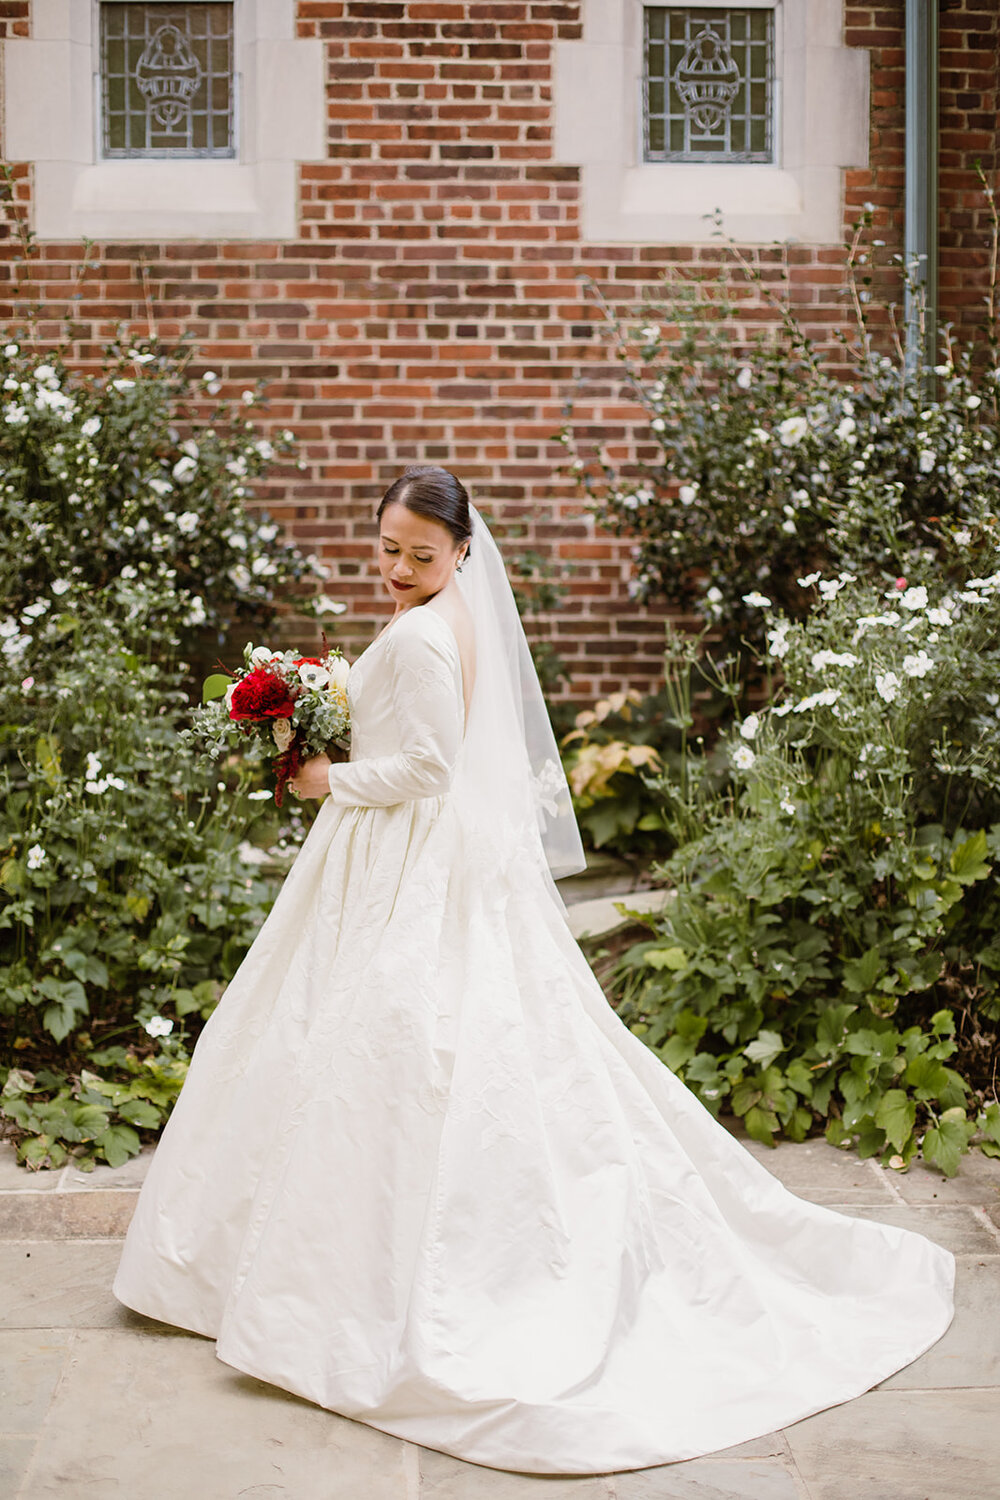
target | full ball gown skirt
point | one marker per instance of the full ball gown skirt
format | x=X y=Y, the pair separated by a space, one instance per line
x=422 y=1175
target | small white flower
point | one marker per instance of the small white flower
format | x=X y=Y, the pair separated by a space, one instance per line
x=782 y=709
x=914 y=597
x=197 y=613
x=140 y=358
x=312 y=676
x=158 y=1026
x=270 y=531
x=262 y=796
x=16 y=416
x=658 y=424
x=745 y=378
x=792 y=430
x=45 y=372
x=36 y=610
x=757 y=600
x=123 y=385
x=687 y=494
x=887 y=685
x=161 y=486
x=250 y=854
x=808 y=581
x=824 y=699
x=918 y=665
x=91 y=427
x=940 y=617
x=650 y=333
x=115 y=781
x=750 y=726
x=184 y=468
x=247 y=397
x=962 y=538
x=778 y=640
x=93 y=765
x=926 y=460
x=11 y=349
x=325 y=606
x=36 y=857
x=261 y=655
x=743 y=757
x=189 y=520
x=972 y=402
x=237 y=467
x=829 y=588
x=789 y=527
x=787 y=806
x=714 y=595
x=847 y=430
x=264 y=449
x=821 y=659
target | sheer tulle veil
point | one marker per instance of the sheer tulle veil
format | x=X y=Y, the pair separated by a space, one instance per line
x=509 y=782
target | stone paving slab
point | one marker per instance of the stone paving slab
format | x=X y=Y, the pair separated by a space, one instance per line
x=902 y=1445
x=140 y=1417
x=59 y=1284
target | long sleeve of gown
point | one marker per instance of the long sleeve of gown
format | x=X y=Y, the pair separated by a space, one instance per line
x=427 y=706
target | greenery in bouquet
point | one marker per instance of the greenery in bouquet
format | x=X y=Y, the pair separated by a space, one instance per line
x=829 y=952
x=288 y=706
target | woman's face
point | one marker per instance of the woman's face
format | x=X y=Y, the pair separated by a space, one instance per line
x=416 y=556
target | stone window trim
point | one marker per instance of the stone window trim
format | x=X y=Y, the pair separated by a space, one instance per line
x=51 y=119
x=821 y=129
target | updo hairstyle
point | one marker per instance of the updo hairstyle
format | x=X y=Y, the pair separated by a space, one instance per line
x=435 y=493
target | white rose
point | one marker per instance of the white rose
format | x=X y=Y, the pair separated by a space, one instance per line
x=261 y=655
x=283 y=734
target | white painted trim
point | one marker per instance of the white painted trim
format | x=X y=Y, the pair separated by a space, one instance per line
x=822 y=127
x=50 y=104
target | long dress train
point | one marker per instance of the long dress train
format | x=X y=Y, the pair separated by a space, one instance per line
x=421 y=1174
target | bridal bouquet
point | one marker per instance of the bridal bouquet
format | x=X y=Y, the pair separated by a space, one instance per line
x=291 y=706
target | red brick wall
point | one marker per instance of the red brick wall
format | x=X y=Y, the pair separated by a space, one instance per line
x=432 y=306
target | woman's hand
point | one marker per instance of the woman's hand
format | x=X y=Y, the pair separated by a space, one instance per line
x=313 y=778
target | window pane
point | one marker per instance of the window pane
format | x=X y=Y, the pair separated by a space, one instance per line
x=709 y=94
x=167 y=79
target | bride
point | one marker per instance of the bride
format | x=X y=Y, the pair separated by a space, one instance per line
x=422 y=1175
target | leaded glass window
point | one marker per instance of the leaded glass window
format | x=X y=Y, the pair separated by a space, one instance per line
x=709 y=84
x=167 y=79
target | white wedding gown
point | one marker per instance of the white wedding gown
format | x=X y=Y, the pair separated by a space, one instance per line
x=421 y=1174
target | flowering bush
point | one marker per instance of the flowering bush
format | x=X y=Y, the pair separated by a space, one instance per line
x=830 y=953
x=129 y=891
x=762 y=461
x=99 y=490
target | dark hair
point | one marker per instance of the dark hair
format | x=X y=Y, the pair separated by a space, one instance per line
x=435 y=493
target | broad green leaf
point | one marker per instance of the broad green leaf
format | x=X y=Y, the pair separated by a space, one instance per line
x=666 y=958
x=761 y=1125
x=118 y=1143
x=944 y=1144
x=861 y=974
x=764 y=1048
x=968 y=860
x=215 y=686
x=896 y=1115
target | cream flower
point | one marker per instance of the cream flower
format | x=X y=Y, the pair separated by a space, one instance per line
x=283 y=734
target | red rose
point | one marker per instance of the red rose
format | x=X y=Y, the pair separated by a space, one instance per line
x=261 y=695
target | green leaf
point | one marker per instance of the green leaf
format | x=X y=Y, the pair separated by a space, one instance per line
x=666 y=958
x=764 y=1048
x=215 y=686
x=944 y=1144
x=861 y=974
x=118 y=1143
x=967 y=860
x=49 y=758
x=761 y=1125
x=896 y=1115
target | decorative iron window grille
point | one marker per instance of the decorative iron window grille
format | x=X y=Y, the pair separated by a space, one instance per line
x=167 y=79
x=709 y=84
